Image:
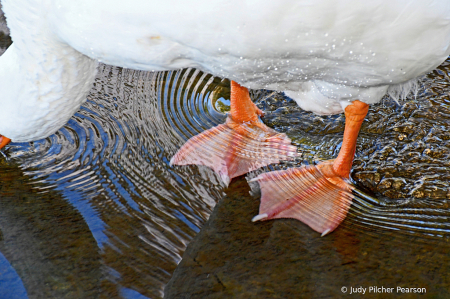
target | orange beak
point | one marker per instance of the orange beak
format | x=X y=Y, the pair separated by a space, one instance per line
x=4 y=141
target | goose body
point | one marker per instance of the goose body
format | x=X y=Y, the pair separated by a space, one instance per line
x=324 y=53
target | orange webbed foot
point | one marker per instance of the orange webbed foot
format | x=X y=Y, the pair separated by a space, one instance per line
x=240 y=145
x=318 y=196
x=315 y=195
x=233 y=149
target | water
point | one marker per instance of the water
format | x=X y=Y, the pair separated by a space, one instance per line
x=95 y=210
x=109 y=167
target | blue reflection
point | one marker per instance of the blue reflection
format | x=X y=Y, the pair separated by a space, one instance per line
x=131 y=294
x=11 y=286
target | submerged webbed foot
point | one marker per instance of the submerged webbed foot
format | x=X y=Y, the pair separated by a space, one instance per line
x=315 y=195
x=233 y=149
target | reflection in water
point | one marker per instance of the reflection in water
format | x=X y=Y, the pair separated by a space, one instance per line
x=232 y=257
x=45 y=240
x=111 y=163
x=96 y=208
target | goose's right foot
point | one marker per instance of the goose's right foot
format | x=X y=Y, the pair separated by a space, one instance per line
x=240 y=145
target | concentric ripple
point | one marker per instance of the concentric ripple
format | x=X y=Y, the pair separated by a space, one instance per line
x=110 y=164
x=401 y=166
x=425 y=220
x=318 y=138
x=184 y=100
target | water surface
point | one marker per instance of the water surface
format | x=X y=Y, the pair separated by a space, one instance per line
x=96 y=210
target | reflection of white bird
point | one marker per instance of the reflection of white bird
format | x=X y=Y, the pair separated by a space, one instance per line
x=329 y=56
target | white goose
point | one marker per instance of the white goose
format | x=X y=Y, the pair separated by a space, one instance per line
x=329 y=55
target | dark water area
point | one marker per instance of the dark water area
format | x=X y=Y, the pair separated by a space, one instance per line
x=96 y=211
x=109 y=167
x=232 y=257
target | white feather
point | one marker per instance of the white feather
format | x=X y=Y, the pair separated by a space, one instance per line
x=323 y=53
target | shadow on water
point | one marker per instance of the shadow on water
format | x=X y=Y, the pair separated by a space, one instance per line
x=232 y=257
x=95 y=210
x=40 y=233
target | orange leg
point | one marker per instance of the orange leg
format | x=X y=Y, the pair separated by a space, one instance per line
x=240 y=145
x=319 y=196
x=354 y=117
x=242 y=108
x=4 y=141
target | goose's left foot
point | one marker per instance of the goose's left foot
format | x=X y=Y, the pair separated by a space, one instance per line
x=318 y=196
x=314 y=195
x=4 y=141
x=240 y=145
